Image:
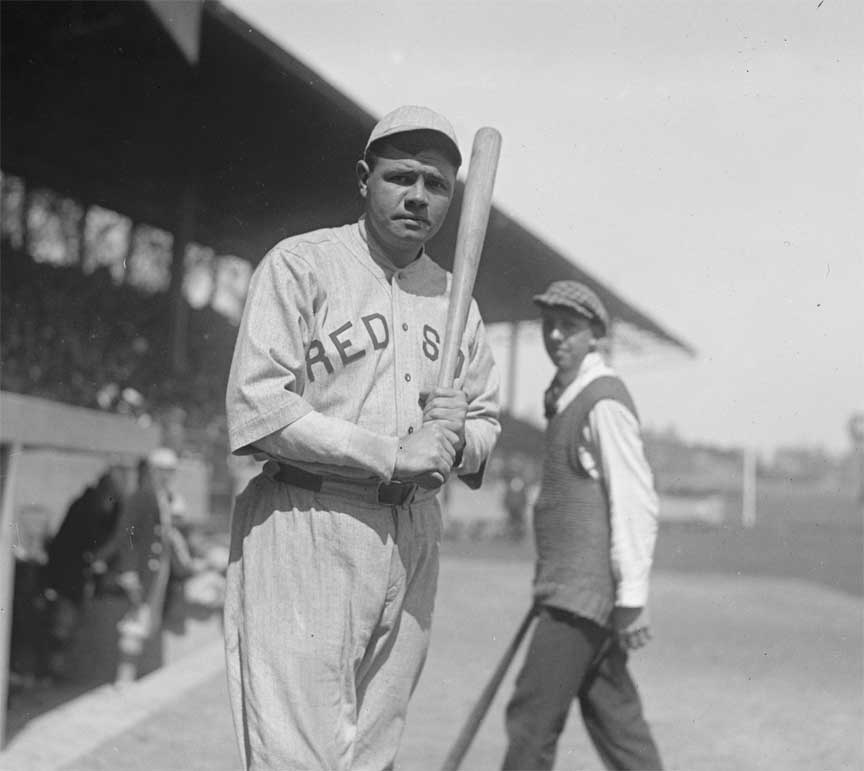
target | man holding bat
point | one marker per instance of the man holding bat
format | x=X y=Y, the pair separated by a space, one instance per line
x=334 y=381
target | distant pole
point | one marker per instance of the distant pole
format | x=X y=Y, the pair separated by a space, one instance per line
x=9 y=459
x=512 y=370
x=183 y=234
x=748 y=488
x=855 y=427
x=186 y=222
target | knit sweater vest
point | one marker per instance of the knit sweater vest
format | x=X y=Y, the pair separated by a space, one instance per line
x=571 y=517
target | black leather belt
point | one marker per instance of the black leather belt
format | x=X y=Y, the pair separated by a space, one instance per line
x=390 y=493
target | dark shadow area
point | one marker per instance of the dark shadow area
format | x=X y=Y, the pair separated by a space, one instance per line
x=91 y=659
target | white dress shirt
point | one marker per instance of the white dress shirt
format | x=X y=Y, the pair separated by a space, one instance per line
x=610 y=449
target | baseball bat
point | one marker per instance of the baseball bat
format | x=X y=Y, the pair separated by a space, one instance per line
x=476 y=205
x=472 y=724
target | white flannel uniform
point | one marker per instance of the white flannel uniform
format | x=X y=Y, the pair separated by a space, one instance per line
x=330 y=595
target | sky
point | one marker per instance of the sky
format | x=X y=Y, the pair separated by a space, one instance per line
x=705 y=159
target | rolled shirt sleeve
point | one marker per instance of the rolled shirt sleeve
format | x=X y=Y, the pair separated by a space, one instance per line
x=633 y=501
x=268 y=367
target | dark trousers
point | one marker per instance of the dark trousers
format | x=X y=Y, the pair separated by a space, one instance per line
x=559 y=667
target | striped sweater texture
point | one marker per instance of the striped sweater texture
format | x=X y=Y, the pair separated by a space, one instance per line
x=571 y=517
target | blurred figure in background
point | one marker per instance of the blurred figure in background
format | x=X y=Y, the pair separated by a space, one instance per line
x=515 y=498
x=73 y=569
x=144 y=545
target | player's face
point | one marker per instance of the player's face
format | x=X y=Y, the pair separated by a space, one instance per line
x=407 y=197
x=568 y=338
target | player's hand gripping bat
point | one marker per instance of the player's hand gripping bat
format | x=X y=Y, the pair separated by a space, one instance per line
x=474 y=217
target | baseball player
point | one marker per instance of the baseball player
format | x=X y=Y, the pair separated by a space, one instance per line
x=334 y=546
x=595 y=523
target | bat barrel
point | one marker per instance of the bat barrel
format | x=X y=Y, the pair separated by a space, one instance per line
x=474 y=218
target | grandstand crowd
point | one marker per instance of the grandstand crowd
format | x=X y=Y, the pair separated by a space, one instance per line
x=84 y=338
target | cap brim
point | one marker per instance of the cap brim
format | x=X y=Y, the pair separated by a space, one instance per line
x=446 y=139
x=543 y=302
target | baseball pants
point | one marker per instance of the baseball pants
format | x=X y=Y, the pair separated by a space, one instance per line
x=327 y=617
x=555 y=672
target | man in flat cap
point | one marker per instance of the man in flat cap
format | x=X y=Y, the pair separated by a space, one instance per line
x=334 y=545
x=595 y=524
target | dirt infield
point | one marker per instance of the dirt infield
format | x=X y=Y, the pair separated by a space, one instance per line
x=744 y=673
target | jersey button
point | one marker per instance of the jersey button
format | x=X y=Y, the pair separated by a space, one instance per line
x=404 y=327
x=407 y=378
x=410 y=429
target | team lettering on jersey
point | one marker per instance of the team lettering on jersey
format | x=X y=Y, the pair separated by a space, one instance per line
x=352 y=341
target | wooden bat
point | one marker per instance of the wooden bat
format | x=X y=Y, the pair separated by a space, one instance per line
x=476 y=205
x=472 y=724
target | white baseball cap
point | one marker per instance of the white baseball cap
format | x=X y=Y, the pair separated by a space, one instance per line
x=411 y=117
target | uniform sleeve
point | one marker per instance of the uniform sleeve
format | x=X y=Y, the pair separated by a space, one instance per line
x=268 y=368
x=632 y=500
x=480 y=383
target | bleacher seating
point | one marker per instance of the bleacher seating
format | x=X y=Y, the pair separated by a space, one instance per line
x=82 y=339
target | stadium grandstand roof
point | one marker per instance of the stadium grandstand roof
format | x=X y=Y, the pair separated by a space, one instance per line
x=132 y=105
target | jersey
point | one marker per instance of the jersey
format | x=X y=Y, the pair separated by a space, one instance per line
x=327 y=328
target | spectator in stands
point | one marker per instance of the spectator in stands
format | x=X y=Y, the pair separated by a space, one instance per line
x=72 y=566
x=82 y=339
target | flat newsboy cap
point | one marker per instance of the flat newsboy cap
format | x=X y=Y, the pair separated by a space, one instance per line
x=577 y=297
x=411 y=117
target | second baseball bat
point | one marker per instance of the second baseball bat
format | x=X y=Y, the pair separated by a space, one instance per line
x=472 y=724
x=474 y=217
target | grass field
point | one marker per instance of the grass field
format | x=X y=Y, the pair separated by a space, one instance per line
x=810 y=535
